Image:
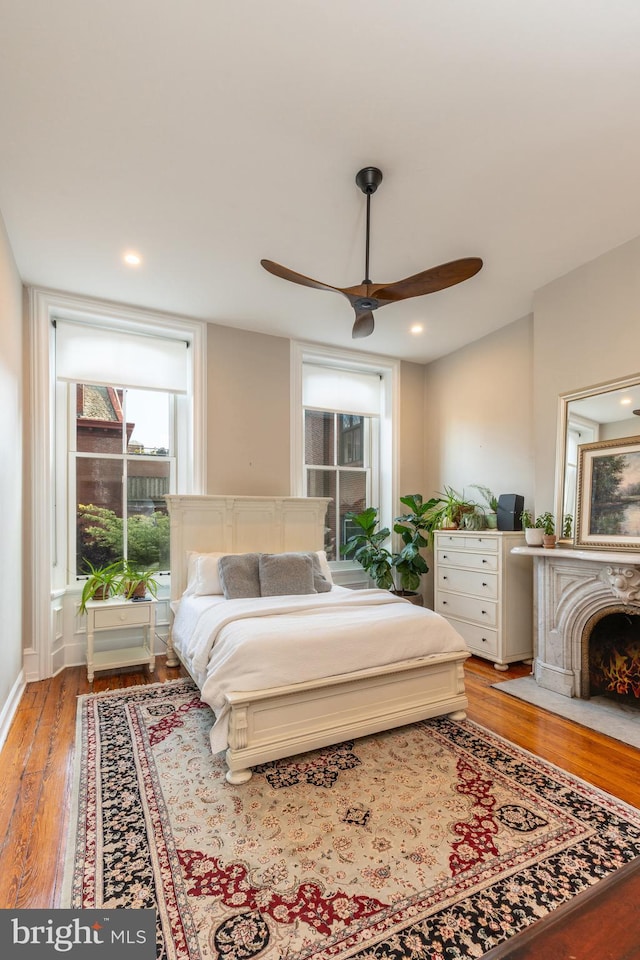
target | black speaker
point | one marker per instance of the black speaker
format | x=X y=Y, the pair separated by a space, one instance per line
x=510 y=506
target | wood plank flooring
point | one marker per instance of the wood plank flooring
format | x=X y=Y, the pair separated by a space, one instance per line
x=37 y=761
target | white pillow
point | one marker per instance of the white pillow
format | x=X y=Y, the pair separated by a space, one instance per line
x=324 y=565
x=203 y=576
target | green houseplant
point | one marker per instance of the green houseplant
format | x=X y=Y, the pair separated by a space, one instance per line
x=101 y=583
x=407 y=565
x=491 y=514
x=138 y=581
x=533 y=529
x=548 y=523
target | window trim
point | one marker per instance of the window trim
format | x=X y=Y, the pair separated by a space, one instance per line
x=389 y=433
x=42 y=306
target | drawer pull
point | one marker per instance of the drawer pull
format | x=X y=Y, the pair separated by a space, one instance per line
x=445 y=578
x=484 y=560
x=444 y=556
x=484 y=584
x=484 y=612
x=444 y=603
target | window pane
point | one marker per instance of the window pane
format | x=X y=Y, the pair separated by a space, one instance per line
x=318 y=438
x=322 y=483
x=353 y=499
x=350 y=440
x=99 y=512
x=148 y=422
x=147 y=519
x=98 y=419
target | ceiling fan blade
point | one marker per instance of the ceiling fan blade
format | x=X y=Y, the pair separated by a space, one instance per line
x=429 y=281
x=363 y=327
x=279 y=271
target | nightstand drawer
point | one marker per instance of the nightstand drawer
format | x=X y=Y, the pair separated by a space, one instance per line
x=460 y=558
x=136 y=614
x=479 y=584
x=470 y=608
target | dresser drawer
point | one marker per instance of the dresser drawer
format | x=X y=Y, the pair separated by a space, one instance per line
x=135 y=615
x=470 y=608
x=487 y=544
x=461 y=558
x=479 y=584
x=479 y=639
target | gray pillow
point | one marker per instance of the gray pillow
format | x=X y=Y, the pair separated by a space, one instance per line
x=239 y=575
x=320 y=582
x=285 y=573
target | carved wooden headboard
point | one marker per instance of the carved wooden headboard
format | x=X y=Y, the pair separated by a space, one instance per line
x=208 y=524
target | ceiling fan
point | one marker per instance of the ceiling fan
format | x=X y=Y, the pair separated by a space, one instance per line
x=368 y=296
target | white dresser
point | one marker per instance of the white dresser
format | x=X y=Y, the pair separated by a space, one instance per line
x=486 y=592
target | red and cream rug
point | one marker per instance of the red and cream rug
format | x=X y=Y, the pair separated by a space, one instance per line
x=436 y=840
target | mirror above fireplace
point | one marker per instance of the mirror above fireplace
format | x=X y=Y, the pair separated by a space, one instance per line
x=602 y=412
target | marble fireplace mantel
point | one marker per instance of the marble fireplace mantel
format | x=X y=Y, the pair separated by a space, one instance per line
x=572 y=587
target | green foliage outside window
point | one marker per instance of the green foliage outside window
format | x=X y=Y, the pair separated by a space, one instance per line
x=100 y=538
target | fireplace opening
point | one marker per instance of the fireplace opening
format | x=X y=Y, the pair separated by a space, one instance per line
x=614 y=657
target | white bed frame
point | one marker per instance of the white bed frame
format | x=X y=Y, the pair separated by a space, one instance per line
x=284 y=721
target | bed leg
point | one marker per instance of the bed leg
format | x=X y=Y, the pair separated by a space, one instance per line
x=172 y=659
x=239 y=776
x=458 y=715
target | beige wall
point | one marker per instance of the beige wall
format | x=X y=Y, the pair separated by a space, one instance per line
x=248 y=432
x=478 y=421
x=11 y=427
x=411 y=475
x=586 y=331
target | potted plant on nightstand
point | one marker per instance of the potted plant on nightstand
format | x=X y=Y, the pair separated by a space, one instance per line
x=101 y=583
x=137 y=581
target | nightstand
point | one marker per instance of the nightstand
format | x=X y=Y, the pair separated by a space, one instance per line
x=119 y=614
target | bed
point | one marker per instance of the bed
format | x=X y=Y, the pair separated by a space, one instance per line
x=288 y=674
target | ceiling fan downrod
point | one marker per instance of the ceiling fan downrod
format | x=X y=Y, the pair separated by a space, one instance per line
x=368 y=179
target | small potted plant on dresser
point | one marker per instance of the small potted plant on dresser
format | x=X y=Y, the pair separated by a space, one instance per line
x=101 y=583
x=491 y=510
x=533 y=529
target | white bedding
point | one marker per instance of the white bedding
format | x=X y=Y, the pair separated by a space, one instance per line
x=256 y=644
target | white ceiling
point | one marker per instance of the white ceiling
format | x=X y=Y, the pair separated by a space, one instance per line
x=208 y=134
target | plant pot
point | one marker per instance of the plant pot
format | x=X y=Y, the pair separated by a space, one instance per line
x=533 y=536
x=492 y=521
x=410 y=595
x=549 y=541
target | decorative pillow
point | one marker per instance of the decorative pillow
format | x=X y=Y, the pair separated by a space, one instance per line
x=325 y=569
x=320 y=582
x=239 y=575
x=282 y=574
x=203 y=578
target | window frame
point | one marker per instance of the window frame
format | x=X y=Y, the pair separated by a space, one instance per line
x=385 y=486
x=46 y=569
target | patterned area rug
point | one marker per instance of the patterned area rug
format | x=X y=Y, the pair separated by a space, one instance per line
x=435 y=840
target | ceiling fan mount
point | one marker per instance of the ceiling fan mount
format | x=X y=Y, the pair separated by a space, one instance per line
x=368 y=296
x=369 y=179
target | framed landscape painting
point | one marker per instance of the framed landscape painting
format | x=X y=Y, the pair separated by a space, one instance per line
x=608 y=502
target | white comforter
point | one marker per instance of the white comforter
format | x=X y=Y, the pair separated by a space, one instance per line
x=240 y=645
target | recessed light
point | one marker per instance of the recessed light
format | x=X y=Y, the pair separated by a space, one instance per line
x=626 y=401
x=132 y=259
x=416 y=328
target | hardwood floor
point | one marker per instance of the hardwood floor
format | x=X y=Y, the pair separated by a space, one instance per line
x=37 y=761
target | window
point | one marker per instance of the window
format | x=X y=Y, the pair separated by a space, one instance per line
x=344 y=412
x=338 y=462
x=123 y=465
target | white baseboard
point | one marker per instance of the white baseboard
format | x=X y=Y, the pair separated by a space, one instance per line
x=9 y=709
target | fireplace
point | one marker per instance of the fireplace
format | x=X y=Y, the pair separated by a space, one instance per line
x=587 y=612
